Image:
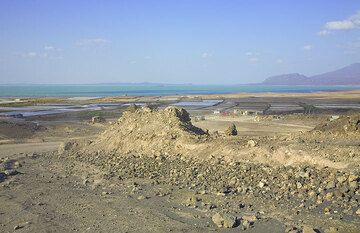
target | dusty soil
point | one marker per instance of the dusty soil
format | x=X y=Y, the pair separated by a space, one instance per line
x=158 y=171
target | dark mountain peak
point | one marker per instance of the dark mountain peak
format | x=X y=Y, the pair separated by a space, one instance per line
x=286 y=79
x=348 y=75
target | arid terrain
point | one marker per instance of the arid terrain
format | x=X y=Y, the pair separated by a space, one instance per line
x=244 y=163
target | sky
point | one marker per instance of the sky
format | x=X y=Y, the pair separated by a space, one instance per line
x=172 y=41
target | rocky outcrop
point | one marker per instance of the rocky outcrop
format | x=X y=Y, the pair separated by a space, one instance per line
x=149 y=131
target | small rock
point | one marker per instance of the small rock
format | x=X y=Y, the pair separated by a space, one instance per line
x=245 y=225
x=358 y=212
x=218 y=220
x=11 y=172
x=353 y=185
x=141 y=197
x=304 y=174
x=2 y=176
x=353 y=178
x=330 y=185
x=307 y=229
x=251 y=143
x=231 y=130
x=229 y=221
x=331 y=230
x=293 y=229
x=341 y=179
x=261 y=184
x=65 y=146
x=327 y=210
x=212 y=206
x=17 y=227
x=224 y=221
x=299 y=185
x=329 y=196
x=97 y=119
x=249 y=218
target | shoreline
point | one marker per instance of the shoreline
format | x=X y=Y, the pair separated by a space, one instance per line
x=93 y=91
x=5 y=99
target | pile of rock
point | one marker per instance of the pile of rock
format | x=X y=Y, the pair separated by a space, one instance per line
x=148 y=131
x=341 y=125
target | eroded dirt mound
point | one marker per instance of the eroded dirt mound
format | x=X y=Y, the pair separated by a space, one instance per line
x=342 y=125
x=149 y=131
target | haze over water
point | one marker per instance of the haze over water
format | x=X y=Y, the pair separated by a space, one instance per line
x=152 y=90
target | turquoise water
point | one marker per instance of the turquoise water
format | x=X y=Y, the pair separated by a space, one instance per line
x=152 y=90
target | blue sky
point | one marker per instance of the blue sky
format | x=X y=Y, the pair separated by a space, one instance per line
x=200 y=42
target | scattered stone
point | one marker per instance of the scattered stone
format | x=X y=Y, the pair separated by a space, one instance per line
x=160 y=133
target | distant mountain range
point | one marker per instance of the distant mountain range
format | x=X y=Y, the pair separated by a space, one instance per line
x=349 y=75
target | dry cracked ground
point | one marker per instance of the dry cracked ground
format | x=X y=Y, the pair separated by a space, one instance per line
x=154 y=171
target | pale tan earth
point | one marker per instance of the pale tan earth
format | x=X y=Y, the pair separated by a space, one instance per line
x=155 y=171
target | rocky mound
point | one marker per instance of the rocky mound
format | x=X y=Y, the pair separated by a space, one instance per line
x=148 y=131
x=342 y=125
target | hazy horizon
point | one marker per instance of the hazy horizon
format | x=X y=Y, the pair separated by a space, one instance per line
x=170 y=42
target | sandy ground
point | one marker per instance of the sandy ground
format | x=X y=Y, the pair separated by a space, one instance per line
x=53 y=193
